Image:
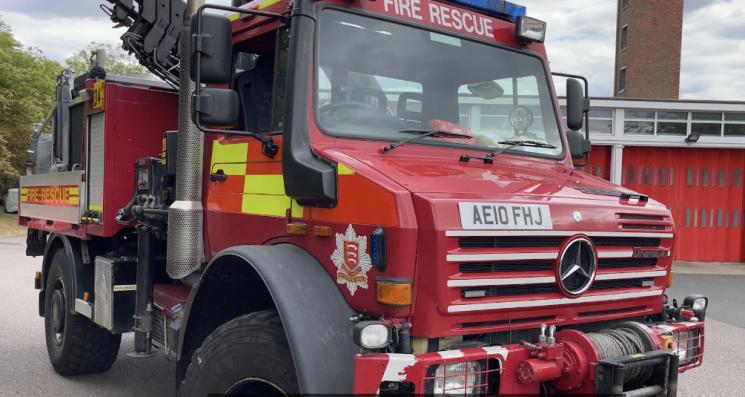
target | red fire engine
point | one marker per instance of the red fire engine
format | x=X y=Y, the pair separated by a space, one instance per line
x=368 y=196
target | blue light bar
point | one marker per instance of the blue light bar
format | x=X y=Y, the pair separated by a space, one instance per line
x=498 y=8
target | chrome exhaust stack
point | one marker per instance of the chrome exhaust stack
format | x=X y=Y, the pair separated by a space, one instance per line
x=185 y=216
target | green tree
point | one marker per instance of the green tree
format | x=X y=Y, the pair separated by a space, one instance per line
x=27 y=89
x=117 y=60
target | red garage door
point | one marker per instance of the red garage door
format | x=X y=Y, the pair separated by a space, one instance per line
x=599 y=163
x=704 y=190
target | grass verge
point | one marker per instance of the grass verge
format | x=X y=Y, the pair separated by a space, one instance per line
x=9 y=225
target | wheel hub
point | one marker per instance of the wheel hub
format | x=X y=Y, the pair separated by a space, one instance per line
x=58 y=315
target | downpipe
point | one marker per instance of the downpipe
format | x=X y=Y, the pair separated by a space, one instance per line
x=185 y=245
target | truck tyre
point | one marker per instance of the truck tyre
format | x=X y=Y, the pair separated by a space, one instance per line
x=75 y=344
x=248 y=355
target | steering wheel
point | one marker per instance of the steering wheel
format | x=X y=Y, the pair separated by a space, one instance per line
x=330 y=108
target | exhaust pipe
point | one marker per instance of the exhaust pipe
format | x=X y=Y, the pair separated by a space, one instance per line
x=185 y=246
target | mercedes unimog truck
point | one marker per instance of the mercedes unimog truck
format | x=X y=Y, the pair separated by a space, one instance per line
x=346 y=196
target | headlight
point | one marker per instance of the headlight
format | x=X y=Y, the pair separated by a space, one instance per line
x=683 y=339
x=689 y=347
x=372 y=334
x=458 y=378
x=698 y=303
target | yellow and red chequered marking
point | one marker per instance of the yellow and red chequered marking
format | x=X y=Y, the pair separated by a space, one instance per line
x=255 y=185
x=60 y=196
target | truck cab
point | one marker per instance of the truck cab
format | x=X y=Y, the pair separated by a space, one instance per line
x=385 y=186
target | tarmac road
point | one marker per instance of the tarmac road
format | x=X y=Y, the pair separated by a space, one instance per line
x=25 y=369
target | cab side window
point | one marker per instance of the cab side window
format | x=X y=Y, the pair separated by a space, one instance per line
x=260 y=71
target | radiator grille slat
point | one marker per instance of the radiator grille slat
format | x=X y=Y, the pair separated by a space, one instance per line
x=500 y=267
x=512 y=290
x=523 y=242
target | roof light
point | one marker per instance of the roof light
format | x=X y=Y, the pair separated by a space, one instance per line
x=498 y=8
x=531 y=29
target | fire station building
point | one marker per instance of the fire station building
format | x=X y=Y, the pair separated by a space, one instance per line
x=689 y=155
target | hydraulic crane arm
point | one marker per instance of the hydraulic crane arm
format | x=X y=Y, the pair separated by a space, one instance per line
x=154 y=29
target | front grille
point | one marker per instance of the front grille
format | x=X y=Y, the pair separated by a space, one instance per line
x=615 y=284
x=512 y=290
x=625 y=241
x=496 y=270
x=510 y=242
x=644 y=222
x=641 y=217
x=643 y=227
x=497 y=267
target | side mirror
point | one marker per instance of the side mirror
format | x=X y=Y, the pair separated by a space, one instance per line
x=211 y=53
x=577 y=105
x=217 y=107
x=578 y=145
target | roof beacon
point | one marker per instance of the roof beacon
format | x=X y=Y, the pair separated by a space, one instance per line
x=499 y=8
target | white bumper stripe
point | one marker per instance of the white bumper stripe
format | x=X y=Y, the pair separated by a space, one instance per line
x=615 y=254
x=478 y=282
x=549 y=302
x=549 y=233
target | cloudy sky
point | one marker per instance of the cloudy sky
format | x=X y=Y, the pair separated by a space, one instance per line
x=581 y=38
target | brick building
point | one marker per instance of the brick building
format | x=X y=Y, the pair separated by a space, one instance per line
x=648 y=43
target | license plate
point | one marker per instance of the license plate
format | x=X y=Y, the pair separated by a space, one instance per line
x=505 y=216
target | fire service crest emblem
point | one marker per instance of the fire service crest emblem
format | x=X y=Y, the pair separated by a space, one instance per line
x=352 y=260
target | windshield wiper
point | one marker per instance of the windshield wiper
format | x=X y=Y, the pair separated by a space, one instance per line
x=423 y=134
x=488 y=159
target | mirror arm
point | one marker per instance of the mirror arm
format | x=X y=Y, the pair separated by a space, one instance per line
x=201 y=45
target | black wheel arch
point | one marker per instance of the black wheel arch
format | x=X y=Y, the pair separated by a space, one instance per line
x=82 y=274
x=314 y=314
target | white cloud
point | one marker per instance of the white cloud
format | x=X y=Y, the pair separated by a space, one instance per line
x=581 y=39
x=59 y=38
x=713 y=66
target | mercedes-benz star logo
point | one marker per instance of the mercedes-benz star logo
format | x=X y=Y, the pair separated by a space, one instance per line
x=577 y=216
x=577 y=266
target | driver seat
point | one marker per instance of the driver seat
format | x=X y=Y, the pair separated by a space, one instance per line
x=374 y=97
x=254 y=89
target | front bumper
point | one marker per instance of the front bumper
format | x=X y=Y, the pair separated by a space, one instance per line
x=571 y=366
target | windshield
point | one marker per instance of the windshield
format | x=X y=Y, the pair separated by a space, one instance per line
x=381 y=80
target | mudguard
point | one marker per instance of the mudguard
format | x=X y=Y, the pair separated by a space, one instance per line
x=315 y=316
x=81 y=273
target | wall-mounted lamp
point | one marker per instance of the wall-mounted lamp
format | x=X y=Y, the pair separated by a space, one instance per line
x=693 y=138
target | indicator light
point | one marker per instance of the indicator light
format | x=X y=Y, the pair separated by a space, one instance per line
x=377 y=248
x=394 y=293
x=297 y=229
x=322 y=231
